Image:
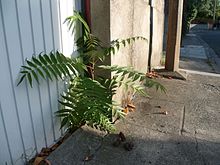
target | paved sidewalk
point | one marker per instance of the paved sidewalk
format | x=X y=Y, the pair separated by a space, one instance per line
x=197 y=55
x=188 y=135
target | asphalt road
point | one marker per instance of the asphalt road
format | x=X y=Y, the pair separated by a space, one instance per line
x=212 y=38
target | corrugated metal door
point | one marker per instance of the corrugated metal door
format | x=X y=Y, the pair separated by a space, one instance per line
x=27 y=121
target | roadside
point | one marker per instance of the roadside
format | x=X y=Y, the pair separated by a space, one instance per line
x=211 y=42
x=212 y=37
x=197 y=55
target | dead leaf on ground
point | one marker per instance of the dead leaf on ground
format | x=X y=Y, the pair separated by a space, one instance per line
x=41 y=161
x=131 y=106
x=38 y=160
x=125 y=110
x=45 y=150
x=152 y=74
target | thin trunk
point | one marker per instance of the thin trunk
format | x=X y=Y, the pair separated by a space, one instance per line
x=90 y=68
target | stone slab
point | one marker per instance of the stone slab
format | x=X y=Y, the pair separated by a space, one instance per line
x=196 y=64
x=193 y=51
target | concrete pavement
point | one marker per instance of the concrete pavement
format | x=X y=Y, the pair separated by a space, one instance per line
x=212 y=37
x=200 y=51
x=188 y=135
x=197 y=55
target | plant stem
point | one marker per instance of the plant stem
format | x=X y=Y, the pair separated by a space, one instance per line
x=90 y=68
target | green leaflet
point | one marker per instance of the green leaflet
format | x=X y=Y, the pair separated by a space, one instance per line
x=55 y=65
x=29 y=79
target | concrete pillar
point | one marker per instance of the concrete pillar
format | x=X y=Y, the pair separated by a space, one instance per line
x=100 y=26
x=157 y=32
x=174 y=35
x=100 y=20
x=121 y=19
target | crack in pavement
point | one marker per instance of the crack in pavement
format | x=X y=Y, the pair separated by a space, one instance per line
x=182 y=121
x=91 y=155
x=197 y=149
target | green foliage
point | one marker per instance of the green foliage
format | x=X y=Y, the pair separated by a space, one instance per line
x=130 y=78
x=203 y=8
x=199 y=9
x=116 y=44
x=190 y=13
x=88 y=100
x=206 y=8
x=76 y=17
x=90 y=47
x=54 y=65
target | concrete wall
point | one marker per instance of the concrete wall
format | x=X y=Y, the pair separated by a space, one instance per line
x=121 y=26
x=100 y=20
x=127 y=18
x=141 y=27
x=158 y=31
x=130 y=18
